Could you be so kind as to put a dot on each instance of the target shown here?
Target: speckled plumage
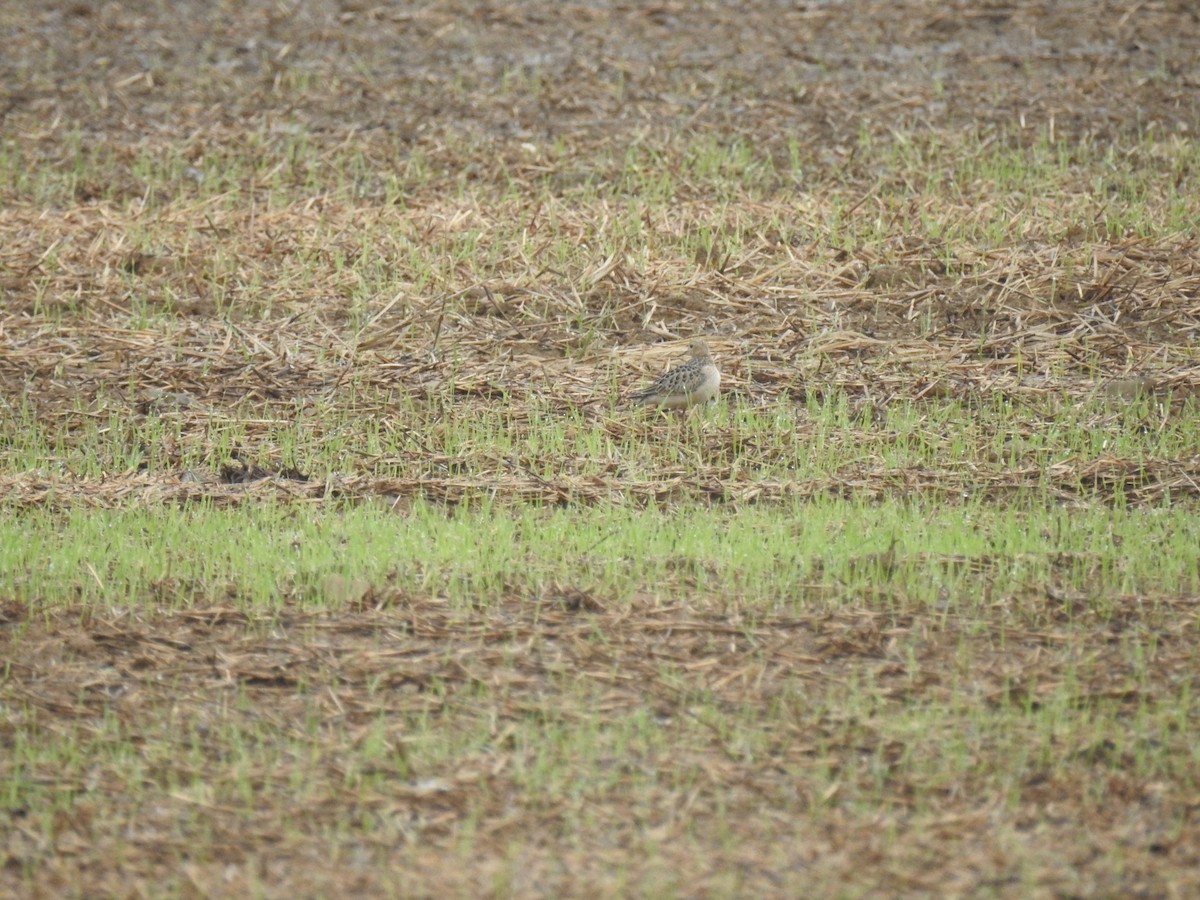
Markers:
(696, 381)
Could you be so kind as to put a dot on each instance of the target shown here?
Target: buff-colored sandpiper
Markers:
(696, 381)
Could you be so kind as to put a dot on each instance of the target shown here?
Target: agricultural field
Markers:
(334, 560)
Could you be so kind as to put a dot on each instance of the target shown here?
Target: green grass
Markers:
(831, 436)
(927, 715)
(770, 561)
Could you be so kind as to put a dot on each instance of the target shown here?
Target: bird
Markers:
(696, 381)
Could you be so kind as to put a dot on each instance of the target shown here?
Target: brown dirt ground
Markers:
(209, 666)
(127, 75)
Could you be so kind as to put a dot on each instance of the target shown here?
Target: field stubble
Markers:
(334, 562)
